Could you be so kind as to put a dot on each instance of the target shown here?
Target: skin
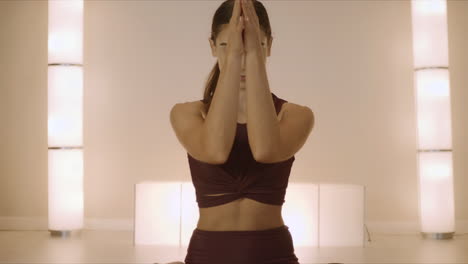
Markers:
(220, 51)
(244, 213)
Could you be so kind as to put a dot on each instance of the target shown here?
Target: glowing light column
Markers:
(65, 114)
(434, 125)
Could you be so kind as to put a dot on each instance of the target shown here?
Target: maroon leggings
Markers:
(271, 246)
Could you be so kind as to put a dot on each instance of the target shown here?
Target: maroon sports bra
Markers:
(241, 175)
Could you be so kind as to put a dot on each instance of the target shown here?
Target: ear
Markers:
(213, 47)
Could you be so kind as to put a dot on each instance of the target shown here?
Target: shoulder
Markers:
(294, 106)
(286, 105)
(191, 106)
(195, 107)
(295, 109)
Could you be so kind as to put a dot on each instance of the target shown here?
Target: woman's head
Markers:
(219, 38)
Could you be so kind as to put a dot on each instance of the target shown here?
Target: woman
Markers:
(240, 152)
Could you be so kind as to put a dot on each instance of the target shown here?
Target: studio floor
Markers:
(98, 246)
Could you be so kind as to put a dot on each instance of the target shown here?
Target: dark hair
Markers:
(221, 17)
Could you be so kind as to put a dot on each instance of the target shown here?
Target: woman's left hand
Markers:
(252, 36)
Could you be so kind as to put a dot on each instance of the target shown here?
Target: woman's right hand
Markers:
(236, 27)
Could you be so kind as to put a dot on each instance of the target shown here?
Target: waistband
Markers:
(266, 232)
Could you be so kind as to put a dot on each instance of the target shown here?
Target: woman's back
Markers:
(244, 213)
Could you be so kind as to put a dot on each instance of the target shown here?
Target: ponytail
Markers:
(210, 87)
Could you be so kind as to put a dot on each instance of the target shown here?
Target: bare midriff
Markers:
(239, 215)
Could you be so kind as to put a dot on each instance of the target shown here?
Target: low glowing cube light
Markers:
(317, 215)
(301, 213)
(190, 213)
(157, 213)
(342, 215)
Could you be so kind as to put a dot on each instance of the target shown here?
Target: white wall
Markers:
(349, 61)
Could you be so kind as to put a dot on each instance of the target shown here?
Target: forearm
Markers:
(262, 120)
(221, 119)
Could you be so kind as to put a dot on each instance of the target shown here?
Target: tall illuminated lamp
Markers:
(433, 114)
(65, 114)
